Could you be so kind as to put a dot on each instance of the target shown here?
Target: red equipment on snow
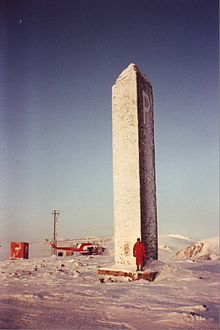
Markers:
(82, 248)
(19, 250)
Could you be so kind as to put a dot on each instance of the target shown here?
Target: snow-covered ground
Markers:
(49, 292)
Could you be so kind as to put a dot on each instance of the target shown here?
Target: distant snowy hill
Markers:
(181, 237)
(172, 243)
(207, 249)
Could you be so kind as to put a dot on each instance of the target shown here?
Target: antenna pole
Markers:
(55, 214)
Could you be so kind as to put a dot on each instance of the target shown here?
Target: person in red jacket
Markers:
(140, 253)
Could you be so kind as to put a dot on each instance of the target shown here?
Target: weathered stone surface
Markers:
(134, 190)
(126, 183)
(134, 276)
(147, 166)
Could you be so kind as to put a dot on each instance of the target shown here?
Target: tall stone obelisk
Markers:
(134, 187)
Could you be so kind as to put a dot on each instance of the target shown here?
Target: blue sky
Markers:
(58, 62)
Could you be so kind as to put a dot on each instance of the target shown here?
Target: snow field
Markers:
(66, 293)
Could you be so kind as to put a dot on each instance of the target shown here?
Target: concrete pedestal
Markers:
(132, 275)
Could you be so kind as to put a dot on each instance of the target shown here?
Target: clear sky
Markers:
(58, 62)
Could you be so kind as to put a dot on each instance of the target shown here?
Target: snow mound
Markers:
(169, 272)
(207, 249)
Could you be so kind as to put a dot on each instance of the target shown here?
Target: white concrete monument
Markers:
(134, 188)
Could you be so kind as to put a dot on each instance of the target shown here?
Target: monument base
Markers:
(147, 275)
